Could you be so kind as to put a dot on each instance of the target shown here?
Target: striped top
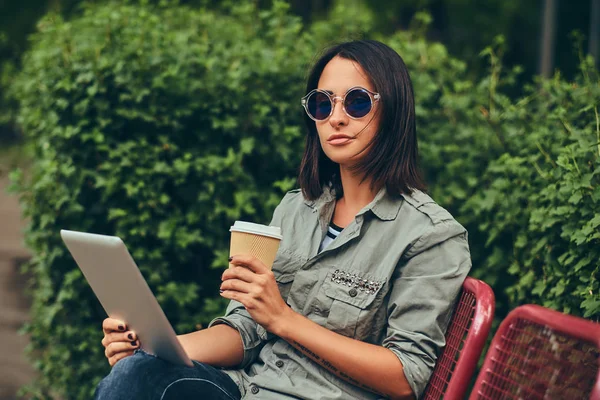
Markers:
(333, 231)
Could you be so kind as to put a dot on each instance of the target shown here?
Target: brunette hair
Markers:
(391, 159)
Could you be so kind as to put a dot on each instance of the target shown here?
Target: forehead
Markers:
(341, 74)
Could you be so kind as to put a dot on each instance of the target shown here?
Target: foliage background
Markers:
(163, 123)
(464, 26)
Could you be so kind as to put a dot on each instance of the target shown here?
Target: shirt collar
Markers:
(382, 206)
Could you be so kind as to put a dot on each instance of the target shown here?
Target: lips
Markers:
(338, 139)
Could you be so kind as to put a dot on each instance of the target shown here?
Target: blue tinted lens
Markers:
(319, 105)
(357, 103)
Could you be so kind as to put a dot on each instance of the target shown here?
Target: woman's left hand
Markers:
(251, 283)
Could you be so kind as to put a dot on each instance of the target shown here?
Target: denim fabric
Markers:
(144, 376)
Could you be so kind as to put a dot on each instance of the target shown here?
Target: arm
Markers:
(371, 367)
(423, 291)
(219, 346)
(368, 366)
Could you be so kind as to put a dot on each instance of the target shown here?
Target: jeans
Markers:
(144, 376)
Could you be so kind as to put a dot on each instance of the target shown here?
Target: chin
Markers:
(340, 157)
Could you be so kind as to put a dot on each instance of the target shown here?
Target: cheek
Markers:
(373, 130)
(368, 130)
(321, 132)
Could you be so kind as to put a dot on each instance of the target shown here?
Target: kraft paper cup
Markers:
(261, 241)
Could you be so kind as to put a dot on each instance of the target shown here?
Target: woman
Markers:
(364, 282)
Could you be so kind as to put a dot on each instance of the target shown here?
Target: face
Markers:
(342, 138)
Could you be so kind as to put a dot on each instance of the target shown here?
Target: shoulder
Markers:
(292, 198)
(437, 225)
(421, 203)
(289, 205)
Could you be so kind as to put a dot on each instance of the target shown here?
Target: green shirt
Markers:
(390, 278)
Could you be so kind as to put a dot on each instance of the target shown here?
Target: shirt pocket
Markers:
(353, 301)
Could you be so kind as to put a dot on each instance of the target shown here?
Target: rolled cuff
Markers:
(417, 373)
(247, 328)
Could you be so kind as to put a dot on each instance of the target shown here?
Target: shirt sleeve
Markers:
(239, 319)
(424, 289)
(236, 316)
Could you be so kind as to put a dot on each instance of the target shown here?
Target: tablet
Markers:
(124, 293)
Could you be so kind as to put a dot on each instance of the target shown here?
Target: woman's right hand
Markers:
(118, 342)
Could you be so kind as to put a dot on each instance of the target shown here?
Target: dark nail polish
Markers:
(121, 328)
(221, 291)
(230, 258)
(130, 336)
(134, 343)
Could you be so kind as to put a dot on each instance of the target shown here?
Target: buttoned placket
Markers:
(348, 233)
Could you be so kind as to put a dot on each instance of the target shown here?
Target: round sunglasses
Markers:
(356, 103)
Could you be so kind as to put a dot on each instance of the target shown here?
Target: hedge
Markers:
(163, 124)
(538, 203)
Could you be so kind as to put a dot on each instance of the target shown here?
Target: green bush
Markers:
(538, 203)
(522, 175)
(164, 124)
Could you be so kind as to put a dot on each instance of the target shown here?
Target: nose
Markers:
(338, 116)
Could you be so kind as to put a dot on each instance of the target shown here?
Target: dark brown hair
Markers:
(391, 159)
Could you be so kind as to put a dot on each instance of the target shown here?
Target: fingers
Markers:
(109, 338)
(243, 298)
(119, 356)
(118, 342)
(250, 262)
(241, 273)
(243, 276)
(111, 325)
(114, 348)
(237, 285)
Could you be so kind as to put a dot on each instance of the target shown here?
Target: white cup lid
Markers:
(257, 229)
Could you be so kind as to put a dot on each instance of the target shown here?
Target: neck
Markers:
(357, 194)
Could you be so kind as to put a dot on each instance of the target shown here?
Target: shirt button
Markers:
(279, 363)
(353, 292)
(254, 389)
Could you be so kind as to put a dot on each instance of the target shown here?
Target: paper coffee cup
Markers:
(261, 241)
